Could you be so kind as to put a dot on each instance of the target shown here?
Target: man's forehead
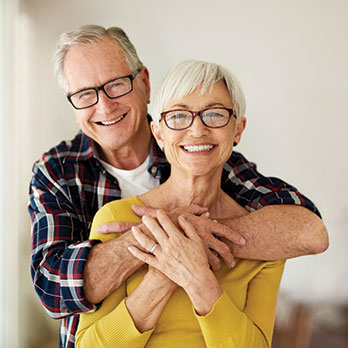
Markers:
(91, 64)
(105, 49)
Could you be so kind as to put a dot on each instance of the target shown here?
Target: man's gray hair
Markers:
(185, 77)
(91, 34)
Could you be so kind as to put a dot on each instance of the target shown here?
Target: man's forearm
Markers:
(107, 266)
(279, 232)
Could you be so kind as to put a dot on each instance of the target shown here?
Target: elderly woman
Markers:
(178, 301)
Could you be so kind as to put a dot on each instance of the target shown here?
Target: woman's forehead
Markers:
(218, 94)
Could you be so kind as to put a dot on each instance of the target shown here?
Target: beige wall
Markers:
(291, 60)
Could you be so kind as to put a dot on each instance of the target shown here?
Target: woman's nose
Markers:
(198, 128)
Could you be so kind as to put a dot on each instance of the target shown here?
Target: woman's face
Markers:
(199, 149)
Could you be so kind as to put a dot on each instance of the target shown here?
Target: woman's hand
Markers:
(154, 276)
(179, 256)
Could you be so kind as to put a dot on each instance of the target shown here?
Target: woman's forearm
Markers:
(145, 304)
(203, 291)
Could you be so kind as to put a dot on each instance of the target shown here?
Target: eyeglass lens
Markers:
(113, 89)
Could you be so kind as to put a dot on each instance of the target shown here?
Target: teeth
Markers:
(197, 148)
(106, 123)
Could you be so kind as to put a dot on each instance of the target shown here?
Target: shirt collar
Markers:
(158, 166)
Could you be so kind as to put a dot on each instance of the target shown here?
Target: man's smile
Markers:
(110, 123)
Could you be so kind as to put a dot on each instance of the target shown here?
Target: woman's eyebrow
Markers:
(214, 104)
(185, 106)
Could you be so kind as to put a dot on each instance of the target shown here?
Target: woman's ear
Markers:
(239, 131)
(156, 131)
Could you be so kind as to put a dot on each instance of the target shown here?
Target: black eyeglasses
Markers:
(113, 89)
(212, 117)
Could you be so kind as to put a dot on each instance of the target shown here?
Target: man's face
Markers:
(113, 123)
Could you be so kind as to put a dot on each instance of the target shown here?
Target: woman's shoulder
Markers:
(114, 211)
(119, 206)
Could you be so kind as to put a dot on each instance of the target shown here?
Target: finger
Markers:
(196, 209)
(214, 261)
(189, 229)
(225, 232)
(222, 249)
(167, 224)
(143, 239)
(115, 227)
(141, 210)
(206, 215)
(142, 256)
(156, 229)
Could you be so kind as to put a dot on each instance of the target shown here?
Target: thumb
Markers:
(115, 227)
(144, 210)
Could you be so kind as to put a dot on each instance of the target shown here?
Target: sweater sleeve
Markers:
(111, 325)
(226, 326)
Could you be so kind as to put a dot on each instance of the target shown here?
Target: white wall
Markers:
(291, 60)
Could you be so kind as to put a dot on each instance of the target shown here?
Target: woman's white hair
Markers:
(185, 77)
(91, 34)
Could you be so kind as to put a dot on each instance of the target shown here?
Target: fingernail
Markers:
(242, 241)
(207, 214)
(182, 218)
(233, 263)
(133, 229)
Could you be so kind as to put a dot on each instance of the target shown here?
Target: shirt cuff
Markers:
(71, 276)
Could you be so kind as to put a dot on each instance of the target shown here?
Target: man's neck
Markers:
(129, 156)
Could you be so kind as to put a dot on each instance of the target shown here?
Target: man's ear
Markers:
(156, 131)
(240, 129)
(145, 77)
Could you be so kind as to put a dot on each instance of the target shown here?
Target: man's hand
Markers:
(116, 227)
(121, 227)
(209, 231)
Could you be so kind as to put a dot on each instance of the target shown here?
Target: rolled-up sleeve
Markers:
(251, 189)
(58, 255)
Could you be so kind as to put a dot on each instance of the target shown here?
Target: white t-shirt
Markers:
(135, 181)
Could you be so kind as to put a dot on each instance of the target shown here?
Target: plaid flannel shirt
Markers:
(69, 185)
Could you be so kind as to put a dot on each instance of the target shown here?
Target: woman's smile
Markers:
(198, 148)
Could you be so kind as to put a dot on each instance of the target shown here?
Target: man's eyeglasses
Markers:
(113, 89)
(212, 118)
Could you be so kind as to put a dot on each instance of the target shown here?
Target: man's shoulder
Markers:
(66, 152)
(69, 150)
(238, 164)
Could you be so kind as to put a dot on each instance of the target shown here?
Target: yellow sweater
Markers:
(243, 317)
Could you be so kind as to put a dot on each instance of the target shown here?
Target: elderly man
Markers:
(115, 156)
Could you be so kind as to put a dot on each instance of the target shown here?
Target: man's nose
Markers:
(105, 104)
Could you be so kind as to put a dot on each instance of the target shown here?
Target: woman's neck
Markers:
(182, 190)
